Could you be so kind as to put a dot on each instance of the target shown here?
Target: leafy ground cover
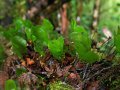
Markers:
(59, 45)
(43, 59)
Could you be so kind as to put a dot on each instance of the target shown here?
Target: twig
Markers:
(97, 73)
(85, 71)
(109, 71)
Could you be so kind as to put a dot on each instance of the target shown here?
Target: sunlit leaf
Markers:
(46, 25)
(10, 33)
(19, 40)
(91, 57)
(10, 85)
(41, 34)
(39, 47)
(19, 45)
(79, 38)
(19, 23)
(56, 47)
(28, 33)
(117, 40)
(82, 44)
(27, 23)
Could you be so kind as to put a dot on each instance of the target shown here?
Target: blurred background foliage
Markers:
(81, 10)
(110, 14)
(10, 9)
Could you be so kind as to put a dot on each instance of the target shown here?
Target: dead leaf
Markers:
(23, 63)
(93, 85)
(66, 69)
(72, 76)
(27, 79)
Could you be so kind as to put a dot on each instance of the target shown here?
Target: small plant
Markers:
(81, 41)
(42, 36)
(23, 32)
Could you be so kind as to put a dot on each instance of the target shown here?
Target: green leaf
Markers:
(47, 26)
(43, 31)
(86, 55)
(77, 37)
(28, 32)
(10, 85)
(20, 71)
(19, 40)
(76, 28)
(82, 43)
(73, 24)
(117, 43)
(80, 35)
(39, 47)
(19, 23)
(19, 45)
(56, 47)
(28, 29)
(91, 57)
(80, 49)
(10, 33)
(81, 30)
(41, 34)
(33, 38)
(27, 24)
(117, 40)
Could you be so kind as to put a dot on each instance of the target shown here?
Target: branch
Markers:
(53, 7)
(47, 11)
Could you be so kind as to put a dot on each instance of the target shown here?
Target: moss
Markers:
(60, 86)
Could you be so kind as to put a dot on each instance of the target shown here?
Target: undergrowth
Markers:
(34, 43)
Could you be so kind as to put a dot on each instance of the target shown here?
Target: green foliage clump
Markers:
(41, 36)
(16, 36)
(82, 44)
